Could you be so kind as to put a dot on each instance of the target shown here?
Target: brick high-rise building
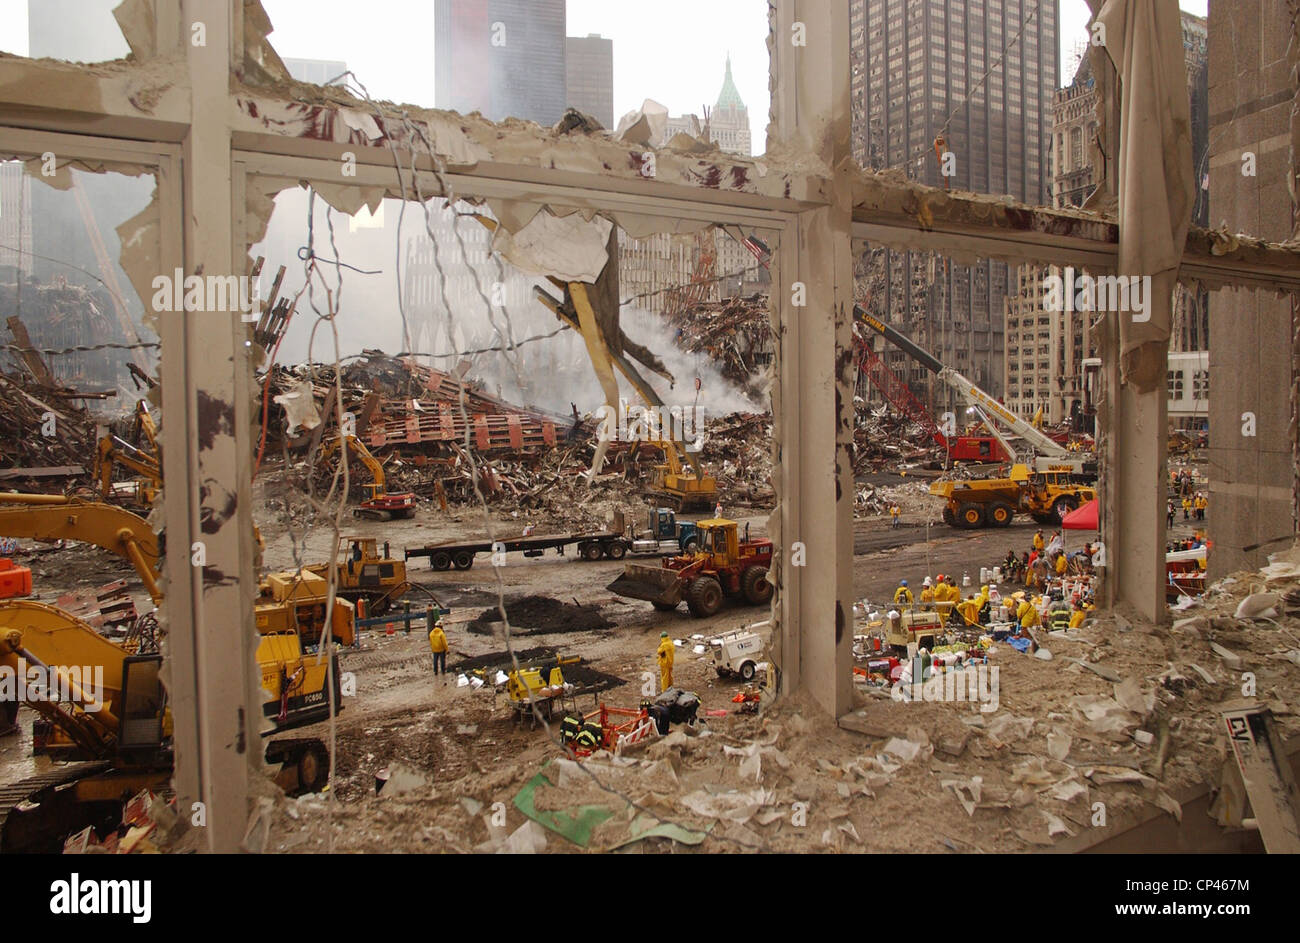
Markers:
(978, 74)
(504, 58)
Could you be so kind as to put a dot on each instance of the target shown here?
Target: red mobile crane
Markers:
(960, 448)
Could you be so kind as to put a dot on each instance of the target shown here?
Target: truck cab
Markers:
(665, 526)
(666, 534)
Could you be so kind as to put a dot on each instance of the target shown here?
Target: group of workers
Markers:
(1194, 542)
(943, 589)
(988, 605)
(1193, 504)
(1047, 559)
(942, 593)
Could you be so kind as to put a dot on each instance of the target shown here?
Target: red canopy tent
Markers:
(1082, 518)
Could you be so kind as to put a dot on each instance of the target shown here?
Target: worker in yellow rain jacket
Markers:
(1028, 615)
(970, 609)
(438, 645)
(927, 594)
(664, 654)
(903, 596)
(1038, 541)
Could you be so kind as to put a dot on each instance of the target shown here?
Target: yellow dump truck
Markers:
(994, 502)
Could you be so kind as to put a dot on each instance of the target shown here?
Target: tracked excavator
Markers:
(103, 708)
(141, 458)
(675, 486)
(379, 504)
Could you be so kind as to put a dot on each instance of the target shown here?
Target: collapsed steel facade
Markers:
(222, 129)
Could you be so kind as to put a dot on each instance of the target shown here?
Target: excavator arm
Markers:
(145, 427)
(113, 451)
(51, 641)
(669, 448)
(977, 398)
(57, 517)
(358, 448)
(141, 458)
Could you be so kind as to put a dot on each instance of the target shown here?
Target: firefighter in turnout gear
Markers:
(570, 727)
(1058, 616)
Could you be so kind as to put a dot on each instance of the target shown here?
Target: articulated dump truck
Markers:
(994, 502)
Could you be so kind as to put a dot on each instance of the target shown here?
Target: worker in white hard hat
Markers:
(927, 594)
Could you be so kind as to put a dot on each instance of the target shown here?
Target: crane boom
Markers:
(975, 397)
(894, 390)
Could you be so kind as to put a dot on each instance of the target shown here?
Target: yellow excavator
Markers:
(674, 486)
(379, 505)
(141, 458)
(103, 707)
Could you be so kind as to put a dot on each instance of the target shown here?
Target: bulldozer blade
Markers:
(652, 583)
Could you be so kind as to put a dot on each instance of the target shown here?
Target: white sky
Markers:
(672, 50)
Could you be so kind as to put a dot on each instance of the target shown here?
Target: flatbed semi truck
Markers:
(665, 535)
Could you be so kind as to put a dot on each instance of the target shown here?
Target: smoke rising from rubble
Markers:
(548, 374)
(557, 371)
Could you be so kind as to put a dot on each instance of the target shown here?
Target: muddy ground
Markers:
(452, 752)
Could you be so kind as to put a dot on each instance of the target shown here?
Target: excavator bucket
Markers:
(656, 584)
